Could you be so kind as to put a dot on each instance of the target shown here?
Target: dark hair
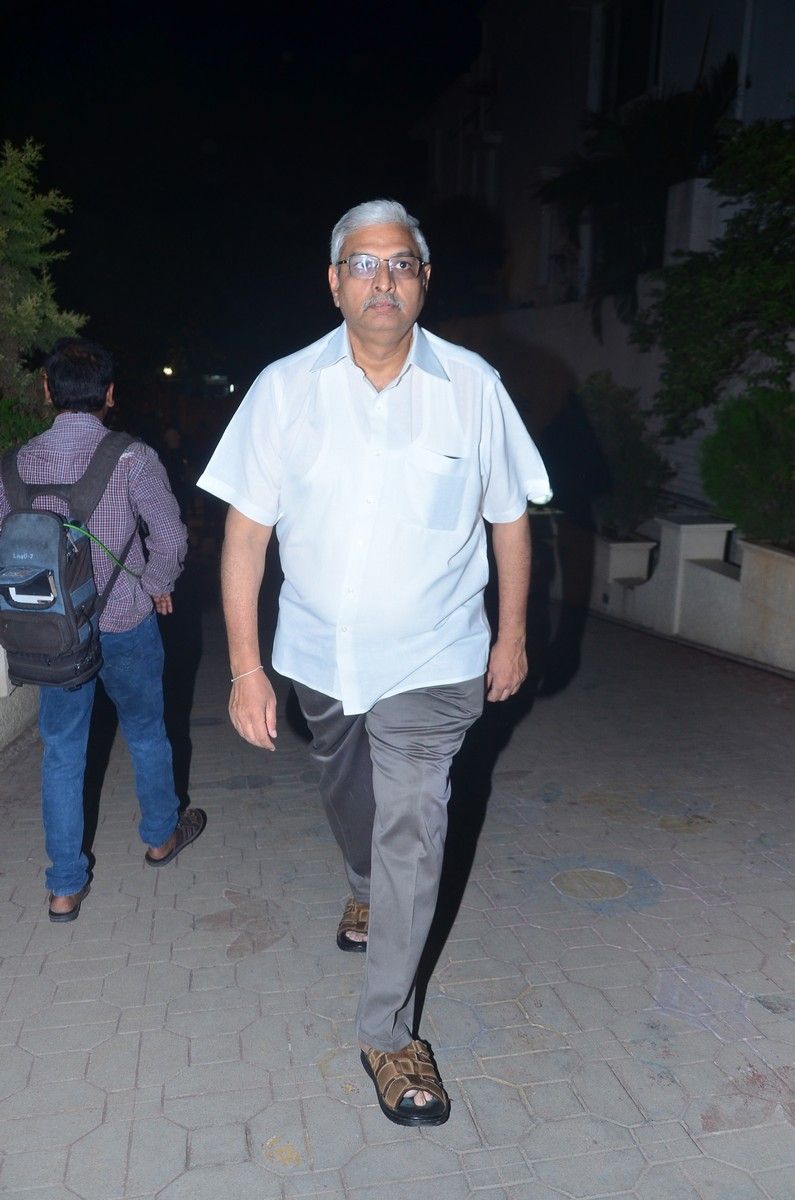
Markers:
(79, 374)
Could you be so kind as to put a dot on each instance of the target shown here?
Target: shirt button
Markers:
(369, 500)
(343, 628)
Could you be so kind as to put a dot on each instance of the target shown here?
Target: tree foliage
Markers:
(748, 464)
(30, 320)
(726, 314)
(637, 470)
(724, 320)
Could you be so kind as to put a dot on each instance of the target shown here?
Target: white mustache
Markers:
(384, 298)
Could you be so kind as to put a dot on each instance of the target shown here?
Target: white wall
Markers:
(543, 354)
(18, 706)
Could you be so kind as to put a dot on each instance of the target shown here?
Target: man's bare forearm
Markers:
(242, 569)
(507, 669)
(512, 555)
(252, 703)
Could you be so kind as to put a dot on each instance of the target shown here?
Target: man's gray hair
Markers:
(376, 212)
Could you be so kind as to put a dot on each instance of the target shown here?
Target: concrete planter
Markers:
(688, 589)
(18, 706)
(661, 601)
(618, 564)
(618, 559)
(767, 604)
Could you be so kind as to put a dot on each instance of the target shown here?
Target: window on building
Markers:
(629, 44)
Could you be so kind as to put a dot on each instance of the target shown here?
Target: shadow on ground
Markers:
(554, 637)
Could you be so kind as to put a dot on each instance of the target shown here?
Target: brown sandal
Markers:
(397, 1073)
(355, 919)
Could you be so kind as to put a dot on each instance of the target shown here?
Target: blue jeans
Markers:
(132, 674)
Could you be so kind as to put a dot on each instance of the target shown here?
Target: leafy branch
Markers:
(30, 319)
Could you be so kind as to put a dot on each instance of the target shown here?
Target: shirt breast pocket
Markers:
(435, 487)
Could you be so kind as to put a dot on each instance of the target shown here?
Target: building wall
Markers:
(695, 36)
(540, 57)
(498, 132)
(545, 354)
(761, 33)
(519, 114)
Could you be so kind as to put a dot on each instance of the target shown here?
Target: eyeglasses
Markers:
(366, 266)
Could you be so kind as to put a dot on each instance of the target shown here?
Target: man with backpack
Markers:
(78, 382)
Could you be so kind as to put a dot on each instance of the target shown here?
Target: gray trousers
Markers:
(385, 783)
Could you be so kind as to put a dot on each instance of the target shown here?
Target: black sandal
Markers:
(74, 912)
(189, 826)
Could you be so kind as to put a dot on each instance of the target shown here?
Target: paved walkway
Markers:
(612, 1002)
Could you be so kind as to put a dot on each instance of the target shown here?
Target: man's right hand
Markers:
(252, 708)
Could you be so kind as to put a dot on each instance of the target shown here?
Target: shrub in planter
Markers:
(748, 464)
(637, 469)
(723, 319)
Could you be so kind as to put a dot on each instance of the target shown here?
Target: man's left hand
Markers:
(163, 604)
(507, 669)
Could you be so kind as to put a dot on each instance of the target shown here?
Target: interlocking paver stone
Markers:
(244, 1181)
(500, 1111)
(753, 1149)
(27, 996)
(602, 1094)
(216, 1108)
(218, 1145)
(46, 1193)
(778, 1184)
(665, 1183)
(50, 1068)
(15, 1070)
(391, 1165)
(38, 1169)
(716, 1181)
(117, 1161)
(535, 1191)
(320, 1185)
(597, 1173)
(32, 1134)
(163, 1055)
(612, 1010)
(113, 1064)
(445, 1187)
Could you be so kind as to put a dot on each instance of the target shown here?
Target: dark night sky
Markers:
(207, 154)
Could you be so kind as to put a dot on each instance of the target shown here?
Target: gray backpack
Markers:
(49, 605)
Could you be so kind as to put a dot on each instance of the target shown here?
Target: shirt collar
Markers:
(83, 418)
(76, 422)
(421, 354)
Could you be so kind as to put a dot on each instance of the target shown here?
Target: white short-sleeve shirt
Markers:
(378, 501)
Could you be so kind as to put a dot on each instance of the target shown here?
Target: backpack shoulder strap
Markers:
(86, 492)
(18, 493)
(104, 595)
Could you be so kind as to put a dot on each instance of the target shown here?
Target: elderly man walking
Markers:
(376, 454)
